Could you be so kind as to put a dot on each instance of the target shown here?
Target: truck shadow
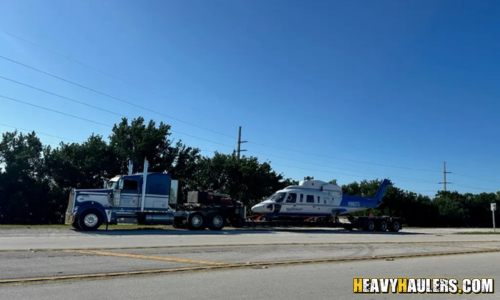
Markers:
(239, 231)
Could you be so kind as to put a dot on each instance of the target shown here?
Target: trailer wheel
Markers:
(382, 226)
(215, 221)
(395, 226)
(369, 225)
(195, 221)
(90, 220)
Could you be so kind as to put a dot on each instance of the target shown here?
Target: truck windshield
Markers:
(113, 185)
(278, 197)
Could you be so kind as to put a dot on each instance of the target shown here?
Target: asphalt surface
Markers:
(25, 239)
(241, 264)
(318, 281)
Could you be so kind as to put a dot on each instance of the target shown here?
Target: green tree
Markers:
(137, 141)
(24, 185)
(453, 211)
(245, 179)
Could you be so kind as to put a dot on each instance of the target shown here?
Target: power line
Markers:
(320, 171)
(314, 170)
(38, 132)
(295, 167)
(363, 172)
(139, 106)
(346, 159)
(142, 107)
(309, 163)
(23, 102)
(110, 96)
(476, 188)
(96, 107)
(60, 96)
(457, 174)
(410, 179)
(239, 136)
(86, 65)
(134, 84)
(127, 102)
(99, 123)
(53, 110)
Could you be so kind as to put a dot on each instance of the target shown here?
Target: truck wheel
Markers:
(195, 221)
(395, 226)
(369, 225)
(215, 221)
(382, 226)
(90, 220)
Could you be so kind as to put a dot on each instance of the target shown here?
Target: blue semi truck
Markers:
(150, 198)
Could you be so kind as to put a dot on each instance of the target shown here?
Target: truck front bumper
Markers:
(69, 218)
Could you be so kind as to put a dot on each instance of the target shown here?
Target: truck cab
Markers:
(142, 198)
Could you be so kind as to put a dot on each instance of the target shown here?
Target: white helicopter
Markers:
(316, 198)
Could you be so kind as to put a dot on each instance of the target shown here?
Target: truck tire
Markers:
(90, 220)
(215, 221)
(395, 226)
(382, 226)
(369, 225)
(196, 221)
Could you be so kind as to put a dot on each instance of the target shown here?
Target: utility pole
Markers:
(239, 143)
(493, 209)
(444, 176)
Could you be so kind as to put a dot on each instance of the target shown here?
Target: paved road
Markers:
(241, 264)
(25, 239)
(315, 281)
(49, 263)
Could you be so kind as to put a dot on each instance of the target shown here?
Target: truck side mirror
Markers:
(120, 184)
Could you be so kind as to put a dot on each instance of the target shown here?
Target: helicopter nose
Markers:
(259, 208)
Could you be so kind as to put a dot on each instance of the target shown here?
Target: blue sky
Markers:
(349, 90)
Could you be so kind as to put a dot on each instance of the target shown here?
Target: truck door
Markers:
(129, 193)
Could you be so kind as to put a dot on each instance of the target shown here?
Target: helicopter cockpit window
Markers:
(278, 197)
(292, 197)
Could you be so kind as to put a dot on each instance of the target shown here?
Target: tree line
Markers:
(36, 179)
